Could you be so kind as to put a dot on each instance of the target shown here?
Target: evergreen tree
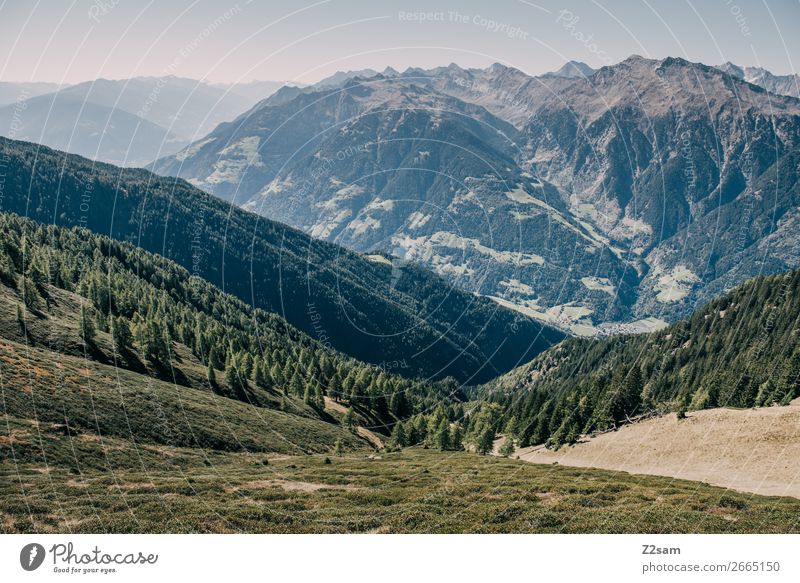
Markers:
(296, 385)
(86, 326)
(443, 435)
(259, 376)
(211, 376)
(277, 376)
(485, 441)
(349, 419)
(121, 333)
(235, 380)
(319, 397)
(511, 427)
(334, 388)
(30, 295)
(398, 438)
(398, 404)
(457, 437)
(507, 448)
(246, 364)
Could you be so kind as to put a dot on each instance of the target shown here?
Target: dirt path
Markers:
(753, 450)
(374, 439)
(370, 436)
(332, 405)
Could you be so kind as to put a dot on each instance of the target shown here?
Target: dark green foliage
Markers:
(483, 425)
(507, 448)
(740, 350)
(121, 333)
(87, 330)
(212, 376)
(398, 438)
(349, 420)
(336, 296)
(150, 305)
(30, 294)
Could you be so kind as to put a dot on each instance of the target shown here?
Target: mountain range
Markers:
(149, 328)
(779, 84)
(128, 122)
(596, 201)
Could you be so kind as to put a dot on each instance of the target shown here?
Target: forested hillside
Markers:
(80, 294)
(740, 350)
(395, 315)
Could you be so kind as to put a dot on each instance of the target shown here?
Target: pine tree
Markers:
(259, 376)
(398, 404)
(398, 438)
(211, 375)
(457, 437)
(30, 295)
(86, 326)
(121, 333)
(234, 379)
(511, 427)
(319, 397)
(485, 440)
(296, 385)
(338, 449)
(443, 435)
(507, 448)
(334, 388)
(246, 364)
(349, 419)
(276, 376)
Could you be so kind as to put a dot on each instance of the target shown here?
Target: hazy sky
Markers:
(220, 40)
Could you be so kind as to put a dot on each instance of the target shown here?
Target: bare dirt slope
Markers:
(754, 450)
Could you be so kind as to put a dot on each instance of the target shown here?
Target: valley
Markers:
(323, 309)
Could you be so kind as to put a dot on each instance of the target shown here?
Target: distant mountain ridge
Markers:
(573, 69)
(584, 201)
(788, 85)
(127, 122)
(13, 92)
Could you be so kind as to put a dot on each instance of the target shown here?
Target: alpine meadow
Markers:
(451, 268)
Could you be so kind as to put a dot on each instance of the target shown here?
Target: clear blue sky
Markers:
(222, 40)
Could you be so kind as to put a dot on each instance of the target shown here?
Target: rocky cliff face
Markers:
(625, 193)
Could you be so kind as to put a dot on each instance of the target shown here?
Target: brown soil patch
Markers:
(332, 405)
(753, 450)
(291, 485)
(132, 486)
(14, 436)
(370, 436)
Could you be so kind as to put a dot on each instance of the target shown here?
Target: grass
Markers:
(80, 396)
(114, 486)
(89, 447)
